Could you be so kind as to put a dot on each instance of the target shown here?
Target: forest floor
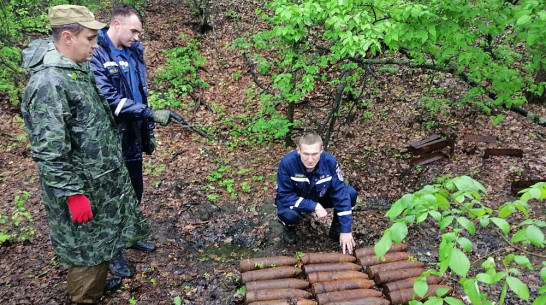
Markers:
(200, 240)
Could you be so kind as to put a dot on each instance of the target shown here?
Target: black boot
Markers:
(289, 234)
(143, 246)
(113, 283)
(120, 266)
(335, 228)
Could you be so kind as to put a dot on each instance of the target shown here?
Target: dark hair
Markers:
(124, 10)
(74, 28)
(310, 138)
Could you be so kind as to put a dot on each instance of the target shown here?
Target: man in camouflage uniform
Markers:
(91, 206)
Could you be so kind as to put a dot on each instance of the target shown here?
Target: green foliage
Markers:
(22, 19)
(177, 300)
(455, 205)
(179, 77)
(246, 187)
(18, 226)
(241, 290)
(229, 184)
(231, 14)
(154, 171)
(212, 197)
(18, 18)
(497, 44)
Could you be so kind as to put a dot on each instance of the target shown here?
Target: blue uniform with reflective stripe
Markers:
(299, 191)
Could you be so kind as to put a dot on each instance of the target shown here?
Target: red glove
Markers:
(80, 208)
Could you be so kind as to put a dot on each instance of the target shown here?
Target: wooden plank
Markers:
(514, 152)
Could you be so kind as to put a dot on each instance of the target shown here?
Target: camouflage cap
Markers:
(66, 14)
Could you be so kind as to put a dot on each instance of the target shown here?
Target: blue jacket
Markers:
(133, 118)
(300, 191)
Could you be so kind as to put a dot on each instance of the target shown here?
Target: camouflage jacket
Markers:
(77, 148)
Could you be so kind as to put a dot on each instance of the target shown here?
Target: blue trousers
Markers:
(292, 217)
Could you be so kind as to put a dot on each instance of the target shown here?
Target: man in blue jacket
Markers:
(120, 72)
(310, 180)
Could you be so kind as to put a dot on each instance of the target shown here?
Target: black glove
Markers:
(178, 118)
(151, 144)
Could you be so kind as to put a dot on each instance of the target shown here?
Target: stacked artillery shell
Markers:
(397, 274)
(336, 279)
(270, 281)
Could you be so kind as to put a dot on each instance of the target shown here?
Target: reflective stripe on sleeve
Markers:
(109, 64)
(298, 202)
(324, 180)
(299, 179)
(120, 106)
(344, 213)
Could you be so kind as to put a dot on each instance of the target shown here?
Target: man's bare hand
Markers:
(320, 212)
(347, 243)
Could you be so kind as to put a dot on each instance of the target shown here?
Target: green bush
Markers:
(179, 77)
(18, 226)
(455, 204)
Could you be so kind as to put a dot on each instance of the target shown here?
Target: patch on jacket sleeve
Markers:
(111, 66)
(339, 173)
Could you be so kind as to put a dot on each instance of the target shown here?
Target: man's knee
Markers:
(288, 216)
(353, 194)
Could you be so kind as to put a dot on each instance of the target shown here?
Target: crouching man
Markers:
(310, 180)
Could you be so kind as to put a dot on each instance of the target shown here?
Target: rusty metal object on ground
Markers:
(373, 270)
(384, 277)
(270, 274)
(317, 277)
(405, 295)
(370, 260)
(517, 186)
(310, 268)
(250, 264)
(408, 283)
(428, 158)
(513, 152)
(322, 258)
(340, 285)
(346, 295)
(275, 294)
(369, 250)
(279, 283)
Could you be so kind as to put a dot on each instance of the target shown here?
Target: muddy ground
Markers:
(199, 240)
